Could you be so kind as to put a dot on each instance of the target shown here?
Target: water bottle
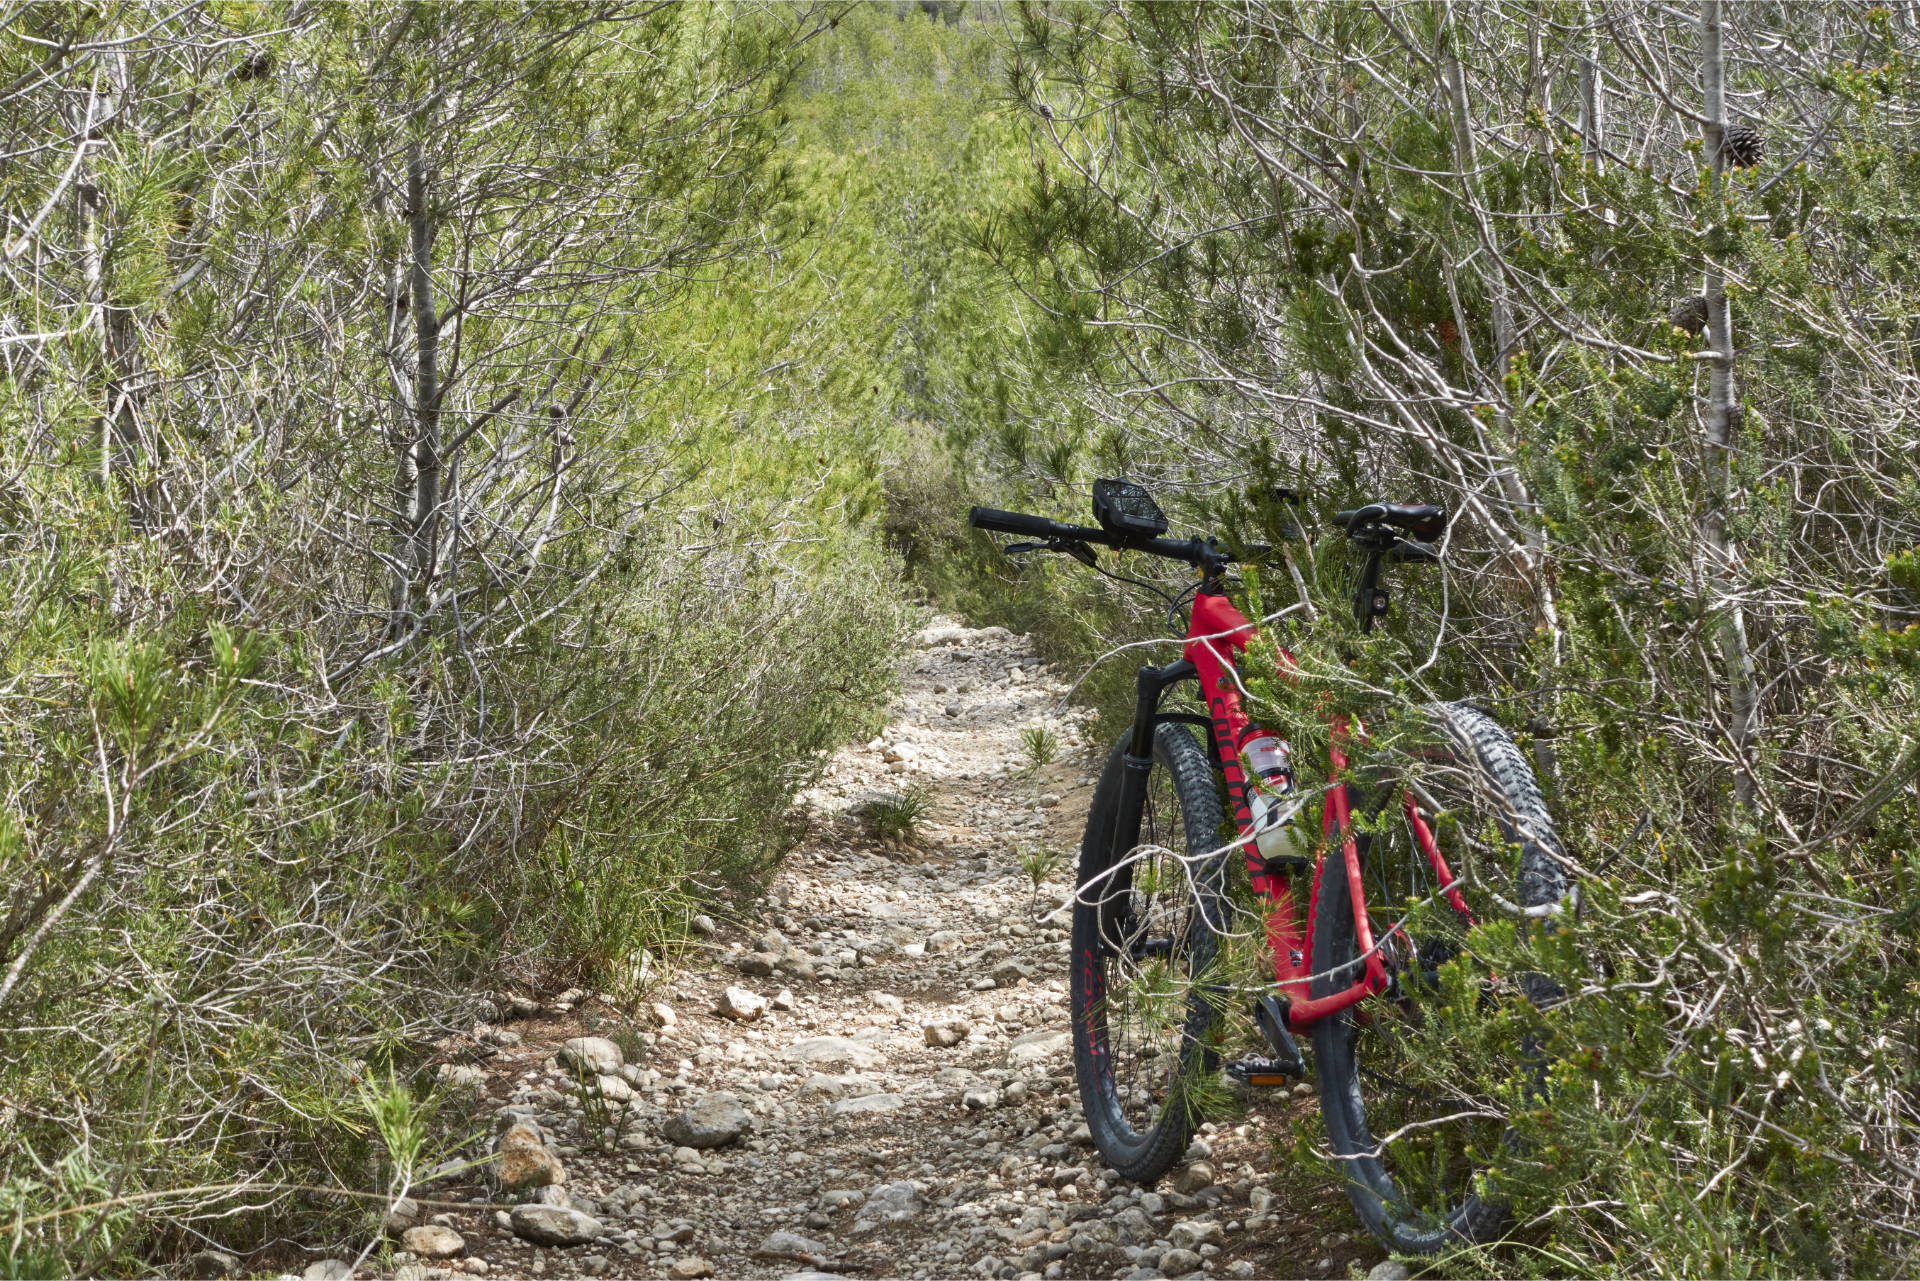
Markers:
(1276, 822)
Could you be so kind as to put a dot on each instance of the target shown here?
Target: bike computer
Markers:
(1125, 508)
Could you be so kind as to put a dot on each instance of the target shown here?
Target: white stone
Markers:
(594, 1054)
(431, 1241)
(1037, 1047)
(833, 1051)
(740, 1005)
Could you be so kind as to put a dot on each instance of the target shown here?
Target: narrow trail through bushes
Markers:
(873, 1074)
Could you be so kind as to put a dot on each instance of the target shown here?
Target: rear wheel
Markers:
(1145, 939)
(1403, 1114)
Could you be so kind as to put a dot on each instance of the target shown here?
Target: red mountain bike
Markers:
(1177, 958)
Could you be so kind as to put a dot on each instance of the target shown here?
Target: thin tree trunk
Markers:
(1593, 103)
(1512, 487)
(119, 340)
(419, 465)
(1722, 419)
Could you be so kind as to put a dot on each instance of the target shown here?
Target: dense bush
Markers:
(388, 616)
(1499, 258)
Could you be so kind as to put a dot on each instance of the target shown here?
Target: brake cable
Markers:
(1172, 604)
(1084, 554)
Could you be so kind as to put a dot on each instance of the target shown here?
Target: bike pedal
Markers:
(1254, 1070)
(1271, 1016)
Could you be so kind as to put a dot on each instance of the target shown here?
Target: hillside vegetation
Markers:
(467, 465)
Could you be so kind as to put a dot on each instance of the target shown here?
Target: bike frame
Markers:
(1218, 636)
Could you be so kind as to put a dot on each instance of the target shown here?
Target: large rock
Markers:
(869, 1104)
(552, 1225)
(1177, 1263)
(461, 1076)
(524, 1161)
(1192, 1178)
(758, 965)
(592, 1055)
(328, 1270)
(793, 1243)
(1038, 1047)
(947, 1030)
(833, 1051)
(714, 1121)
(211, 1265)
(1194, 1233)
(431, 1241)
(740, 1005)
(893, 1203)
(940, 634)
(1008, 973)
(401, 1215)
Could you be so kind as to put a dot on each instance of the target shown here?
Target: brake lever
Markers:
(1071, 546)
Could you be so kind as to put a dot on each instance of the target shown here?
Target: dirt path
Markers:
(899, 1096)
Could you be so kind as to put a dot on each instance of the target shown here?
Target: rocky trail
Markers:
(872, 1076)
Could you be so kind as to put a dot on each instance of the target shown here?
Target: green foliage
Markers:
(1041, 747)
(303, 756)
(899, 817)
(1041, 863)
(402, 1122)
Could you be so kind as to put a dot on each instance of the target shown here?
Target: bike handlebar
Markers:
(1030, 526)
(1194, 551)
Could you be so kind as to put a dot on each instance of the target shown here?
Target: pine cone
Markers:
(1689, 314)
(1742, 146)
(254, 67)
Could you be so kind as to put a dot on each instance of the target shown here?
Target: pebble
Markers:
(690, 1267)
(1390, 1270)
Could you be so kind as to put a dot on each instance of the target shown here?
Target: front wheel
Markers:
(1404, 1116)
(1146, 935)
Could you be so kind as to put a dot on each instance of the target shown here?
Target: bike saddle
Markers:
(1423, 520)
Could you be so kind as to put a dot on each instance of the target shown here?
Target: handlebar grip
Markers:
(1010, 522)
